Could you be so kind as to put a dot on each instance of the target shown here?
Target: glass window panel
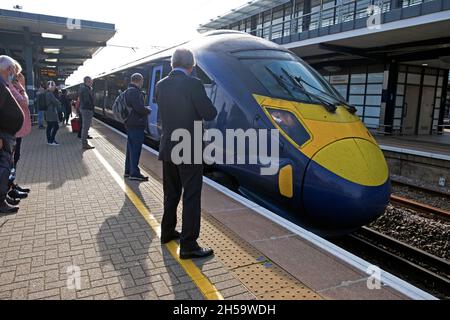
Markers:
(398, 113)
(436, 113)
(401, 77)
(358, 78)
(439, 92)
(438, 103)
(372, 122)
(356, 100)
(359, 111)
(441, 81)
(399, 102)
(339, 79)
(414, 78)
(375, 77)
(374, 88)
(397, 123)
(342, 89)
(357, 89)
(372, 112)
(400, 89)
(373, 100)
(429, 80)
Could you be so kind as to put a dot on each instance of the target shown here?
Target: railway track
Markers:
(414, 265)
(415, 205)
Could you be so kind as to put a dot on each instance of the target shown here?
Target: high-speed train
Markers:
(332, 177)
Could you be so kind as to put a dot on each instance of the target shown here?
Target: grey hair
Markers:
(137, 77)
(7, 62)
(18, 67)
(183, 58)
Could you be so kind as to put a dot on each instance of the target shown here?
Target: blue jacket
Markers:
(134, 99)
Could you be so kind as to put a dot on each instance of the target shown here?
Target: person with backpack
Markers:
(135, 124)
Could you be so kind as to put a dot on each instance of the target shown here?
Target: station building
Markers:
(389, 58)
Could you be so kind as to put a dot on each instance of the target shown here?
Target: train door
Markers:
(410, 109)
(154, 131)
(426, 110)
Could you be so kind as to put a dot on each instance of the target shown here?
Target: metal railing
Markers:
(344, 12)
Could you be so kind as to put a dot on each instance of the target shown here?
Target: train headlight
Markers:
(289, 126)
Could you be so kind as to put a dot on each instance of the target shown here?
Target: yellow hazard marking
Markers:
(208, 290)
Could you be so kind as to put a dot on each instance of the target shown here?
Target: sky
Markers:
(139, 23)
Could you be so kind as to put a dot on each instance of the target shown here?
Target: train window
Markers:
(291, 80)
(289, 125)
(199, 73)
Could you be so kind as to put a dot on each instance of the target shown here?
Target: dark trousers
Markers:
(81, 124)
(67, 115)
(52, 129)
(134, 148)
(5, 171)
(177, 178)
(17, 151)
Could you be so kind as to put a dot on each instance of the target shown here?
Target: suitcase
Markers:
(75, 125)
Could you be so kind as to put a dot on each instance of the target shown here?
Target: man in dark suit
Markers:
(182, 101)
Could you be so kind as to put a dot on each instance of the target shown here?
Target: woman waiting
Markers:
(51, 115)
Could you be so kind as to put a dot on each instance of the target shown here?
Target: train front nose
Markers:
(346, 186)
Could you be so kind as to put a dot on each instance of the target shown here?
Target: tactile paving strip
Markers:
(264, 279)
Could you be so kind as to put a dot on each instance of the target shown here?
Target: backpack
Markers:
(120, 108)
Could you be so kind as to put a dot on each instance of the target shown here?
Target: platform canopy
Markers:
(50, 47)
(243, 12)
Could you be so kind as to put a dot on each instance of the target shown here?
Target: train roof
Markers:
(214, 41)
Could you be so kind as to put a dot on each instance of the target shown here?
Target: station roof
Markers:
(240, 13)
(58, 44)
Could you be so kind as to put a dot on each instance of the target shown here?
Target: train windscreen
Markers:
(288, 77)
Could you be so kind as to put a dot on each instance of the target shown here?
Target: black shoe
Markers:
(12, 202)
(89, 138)
(5, 208)
(196, 254)
(139, 178)
(126, 175)
(18, 188)
(17, 194)
(166, 239)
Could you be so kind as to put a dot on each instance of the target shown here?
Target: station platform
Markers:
(430, 146)
(82, 215)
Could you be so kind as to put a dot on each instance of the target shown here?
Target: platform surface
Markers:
(435, 145)
(81, 215)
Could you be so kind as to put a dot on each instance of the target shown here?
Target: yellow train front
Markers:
(333, 177)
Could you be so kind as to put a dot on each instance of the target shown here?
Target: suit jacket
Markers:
(181, 100)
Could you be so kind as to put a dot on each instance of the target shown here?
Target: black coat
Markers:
(11, 115)
(181, 100)
(138, 117)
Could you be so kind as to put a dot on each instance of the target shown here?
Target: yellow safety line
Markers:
(208, 290)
